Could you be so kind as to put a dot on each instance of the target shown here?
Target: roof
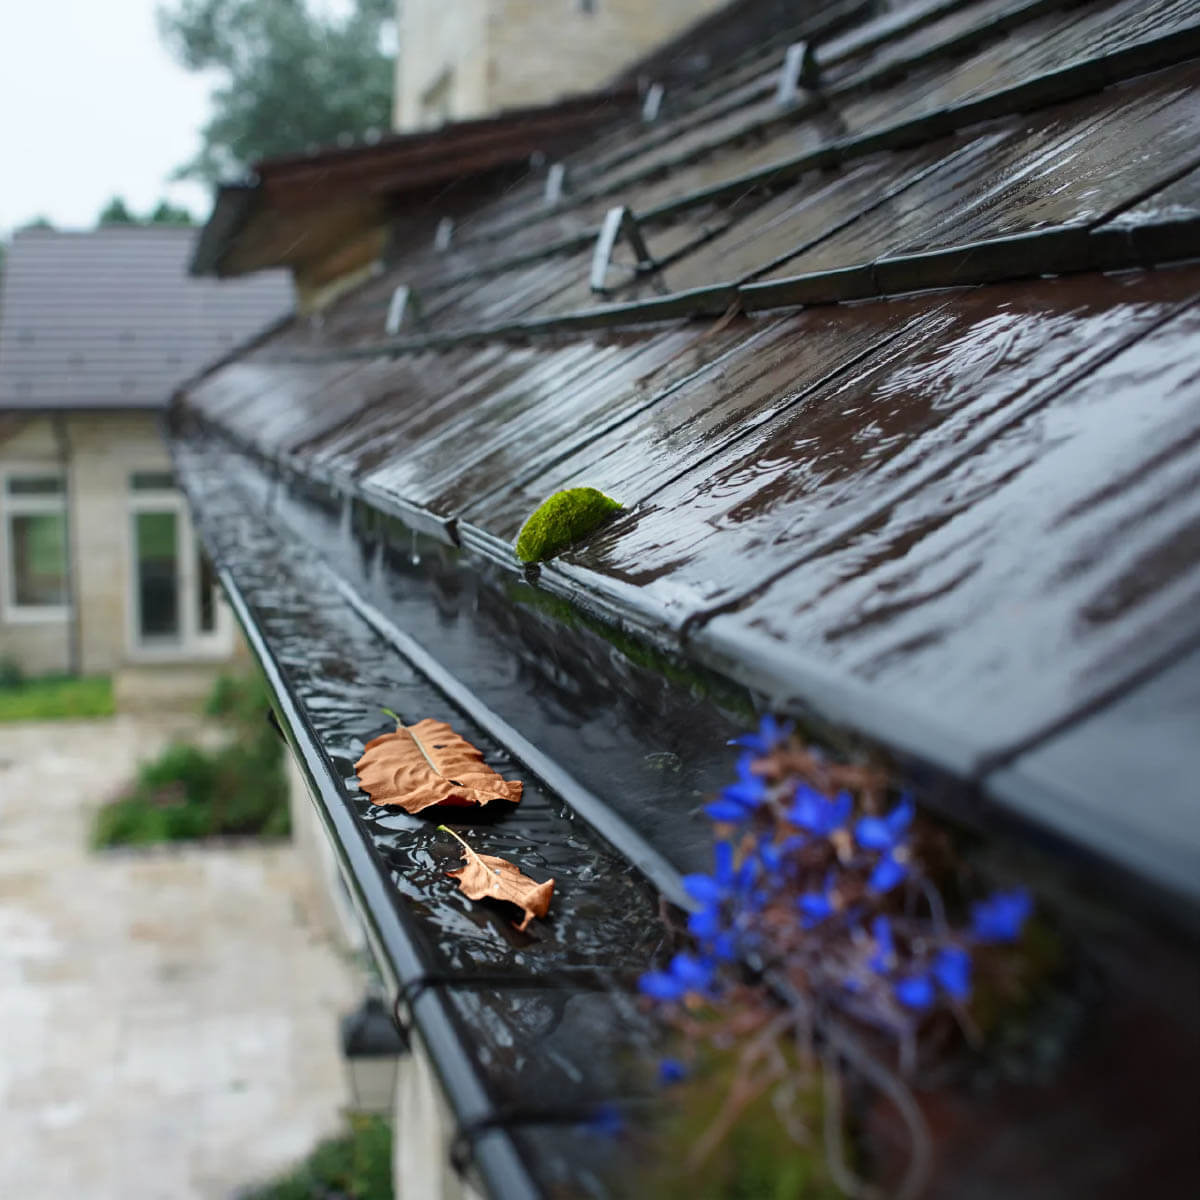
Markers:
(110, 318)
(901, 399)
(295, 206)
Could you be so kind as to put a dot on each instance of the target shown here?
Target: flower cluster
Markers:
(818, 880)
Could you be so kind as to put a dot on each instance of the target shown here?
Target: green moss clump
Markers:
(562, 519)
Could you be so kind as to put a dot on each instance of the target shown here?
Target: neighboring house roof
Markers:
(904, 414)
(111, 319)
(296, 207)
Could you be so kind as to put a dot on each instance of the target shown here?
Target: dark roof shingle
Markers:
(111, 319)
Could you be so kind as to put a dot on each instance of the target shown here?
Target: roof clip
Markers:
(653, 102)
(800, 70)
(556, 184)
(443, 235)
(619, 222)
(404, 309)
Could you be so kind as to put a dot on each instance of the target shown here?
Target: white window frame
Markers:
(21, 506)
(192, 644)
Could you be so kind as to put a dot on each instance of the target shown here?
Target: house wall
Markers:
(442, 67)
(105, 449)
(543, 49)
(472, 57)
(38, 647)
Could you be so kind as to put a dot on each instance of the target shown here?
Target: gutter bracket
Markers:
(556, 184)
(652, 104)
(800, 70)
(443, 235)
(405, 308)
(620, 223)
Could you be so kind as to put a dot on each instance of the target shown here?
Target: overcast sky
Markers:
(91, 106)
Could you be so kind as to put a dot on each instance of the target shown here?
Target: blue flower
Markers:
(738, 800)
(888, 872)
(885, 949)
(686, 973)
(818, 813)
(1001, 917)
(884, 833)
(671, 1070)
(606, 1121)
(706, 923)
(815, 906)
(770, 734)
(952, 969)
(915, 991)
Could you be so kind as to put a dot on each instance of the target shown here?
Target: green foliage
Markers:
(166, 213)
(562, 519)
(290, 79)
(757, 1159)
(188, 792)
(356, 1166)
(117, 212)
(52, 697)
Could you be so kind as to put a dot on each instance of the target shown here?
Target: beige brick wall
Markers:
(38, 647)
(500, 54)
(105, 449)
(543, 49)
(441, 41)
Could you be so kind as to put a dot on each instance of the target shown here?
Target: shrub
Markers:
(189, 792)
(356, 1166)
(53, 696)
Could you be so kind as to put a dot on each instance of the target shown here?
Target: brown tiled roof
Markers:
(943, 500)
(111, 319)
(902, 401)
(271, 220)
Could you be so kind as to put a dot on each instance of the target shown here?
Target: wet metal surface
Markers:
(709, 413)
(830, 460)
(1142, 802)
(965, 523)
(1068, 165)
(1070, 536)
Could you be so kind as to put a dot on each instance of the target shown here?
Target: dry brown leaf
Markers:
(425, 764)
(488, 878)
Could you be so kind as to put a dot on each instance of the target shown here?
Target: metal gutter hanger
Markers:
(619, 222)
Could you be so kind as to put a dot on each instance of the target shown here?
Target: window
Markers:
(35, 545)
(175, 604)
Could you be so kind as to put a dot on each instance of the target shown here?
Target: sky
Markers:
(92, 106)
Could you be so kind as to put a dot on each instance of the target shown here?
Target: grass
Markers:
(356, 1166)
(189, 793)
(56, 697)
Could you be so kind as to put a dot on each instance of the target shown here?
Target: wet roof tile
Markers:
(1067, 531)
(875, 501)
(742, 391)
(837, 453)
(1137, 804)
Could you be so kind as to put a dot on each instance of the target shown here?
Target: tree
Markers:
(116, 212)
(291, 79)
(170, 214)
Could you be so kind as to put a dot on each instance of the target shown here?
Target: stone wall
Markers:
(482, 56)
(443, 49)
(105, 449)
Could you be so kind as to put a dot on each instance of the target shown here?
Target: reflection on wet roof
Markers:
(775, 467)
(904, 419)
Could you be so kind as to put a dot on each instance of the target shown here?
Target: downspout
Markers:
(74, 633)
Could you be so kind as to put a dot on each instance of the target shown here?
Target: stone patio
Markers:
(168, 1018)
